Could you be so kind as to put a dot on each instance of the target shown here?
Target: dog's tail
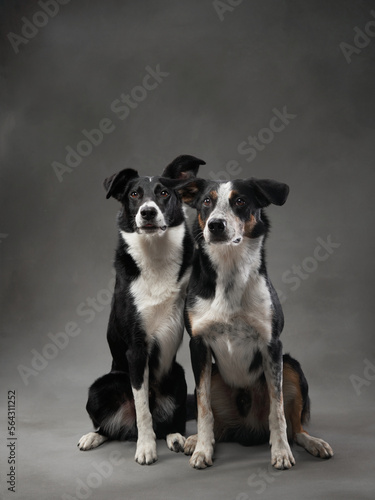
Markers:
(191, 407)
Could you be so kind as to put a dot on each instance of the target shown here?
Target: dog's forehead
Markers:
(235, 188)
(221, 191)
(147, 183)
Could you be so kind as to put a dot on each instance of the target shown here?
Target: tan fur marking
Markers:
(213, 195)
(224, 407)
(203, 397)
(190, 317)
(200, 222)
(249, 226)
(233, 194)
(188, 192)
(197, 326)
(203, 410)
(293, 400)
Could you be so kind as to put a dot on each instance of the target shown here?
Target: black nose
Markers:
(148, 213)
(217, 226)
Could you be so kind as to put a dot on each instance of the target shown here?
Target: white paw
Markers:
(315, 446)
(201, 458)
(90, 441)
(320, 448)
(175, 442)
(281, 457)
(190, 444)
(146, 452)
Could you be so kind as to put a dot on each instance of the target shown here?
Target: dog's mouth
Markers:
(151, 228)
(236, 241)
(224, 240)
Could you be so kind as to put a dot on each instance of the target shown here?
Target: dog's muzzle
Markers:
(217, 226)
(220, 232)
(150, 220)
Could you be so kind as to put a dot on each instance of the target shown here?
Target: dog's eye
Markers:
(240, 202)
(164, 194)
(207, 202)
(134, 195)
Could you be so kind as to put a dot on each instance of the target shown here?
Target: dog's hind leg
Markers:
(190, 444)
(91, 440)
(169, 410)
(111, 408)
(297, 409)
(176, 442)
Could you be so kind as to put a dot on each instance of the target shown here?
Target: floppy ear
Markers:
(190, 191)
(268, 191)
(115, 185)
(183, 167)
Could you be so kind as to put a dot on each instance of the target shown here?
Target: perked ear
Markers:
(183, 167)
(268, 191)
(115, 185)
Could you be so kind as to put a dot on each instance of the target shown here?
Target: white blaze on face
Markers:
(224, 211)
(158, 221)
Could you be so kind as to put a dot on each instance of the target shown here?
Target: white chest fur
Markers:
(238, 320)
(158, 295)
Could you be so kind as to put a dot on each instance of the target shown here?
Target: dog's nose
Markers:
(148, 213)
(217, 226)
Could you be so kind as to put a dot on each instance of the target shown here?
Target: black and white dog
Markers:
(144, 395)
(252, 393)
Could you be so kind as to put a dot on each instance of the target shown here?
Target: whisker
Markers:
(198, 237)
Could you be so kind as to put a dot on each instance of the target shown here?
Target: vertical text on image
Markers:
(11, 442)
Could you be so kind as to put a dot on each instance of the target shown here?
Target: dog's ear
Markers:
(189, 191)
(183, 167)
(268, 191)
(115, 185)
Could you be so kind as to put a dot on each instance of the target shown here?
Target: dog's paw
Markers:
(315, 446)
(90, 441)
(175, 442)
(320, 448)
(190, 444)
(146, 452)
(201, 458)
(282, 458)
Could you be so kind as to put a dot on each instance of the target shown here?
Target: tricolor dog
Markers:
(144, 395)
(251, 393)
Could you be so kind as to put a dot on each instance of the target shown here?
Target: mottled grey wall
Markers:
(222, 75)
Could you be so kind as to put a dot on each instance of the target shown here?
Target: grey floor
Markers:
(50, 466)
(226, 70)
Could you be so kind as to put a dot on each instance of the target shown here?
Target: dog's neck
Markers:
(150, 250)
(237, 274)
(237, 261)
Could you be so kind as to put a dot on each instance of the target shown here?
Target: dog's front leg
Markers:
(281, 455)
(139, 377)
(202, 365)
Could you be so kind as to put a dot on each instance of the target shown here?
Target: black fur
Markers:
(131, 347)
(240, 412)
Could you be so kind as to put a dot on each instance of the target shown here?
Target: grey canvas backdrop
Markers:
(224, 71)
